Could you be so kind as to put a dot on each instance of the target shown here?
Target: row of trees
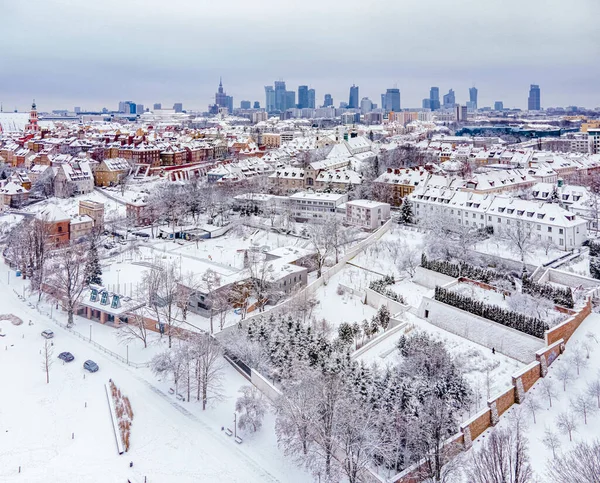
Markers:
(460, 269)
(559, 295)
(528, 325)
(399, 415)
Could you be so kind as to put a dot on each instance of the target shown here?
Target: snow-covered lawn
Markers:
(487, 373)
(578, 266)
(546, 416)
(535, 255)
(70, 206)
(171, 441)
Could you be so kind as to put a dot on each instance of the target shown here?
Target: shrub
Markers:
(380, 286)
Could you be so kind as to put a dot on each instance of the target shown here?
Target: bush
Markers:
(380, 286)
(560, 296)
(528, 325)
(461, 269)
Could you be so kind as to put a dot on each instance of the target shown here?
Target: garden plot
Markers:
(336, 308)
(487, 373)
(579, 265)
(562, 402)
(535, 255)
(517, 302)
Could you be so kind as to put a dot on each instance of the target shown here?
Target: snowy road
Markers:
(37, 420)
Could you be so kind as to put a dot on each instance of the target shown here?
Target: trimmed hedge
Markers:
(560, 296)
(461, 269)
(528, 325)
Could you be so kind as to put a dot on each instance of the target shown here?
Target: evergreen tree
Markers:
(93, 270)
(383, 317)
(345, 333)
(406, 212)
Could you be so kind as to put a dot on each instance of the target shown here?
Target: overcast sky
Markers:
(92, 53)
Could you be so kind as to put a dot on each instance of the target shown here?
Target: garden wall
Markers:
(548, 355)
(566, 329)
(431, 279)
(264, 386)
(376, 300)
(501, 403)
(525, 378)
(377, 340)
(568, 279)
(505, 340)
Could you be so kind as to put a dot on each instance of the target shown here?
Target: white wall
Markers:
(431, 279)
(505, 340)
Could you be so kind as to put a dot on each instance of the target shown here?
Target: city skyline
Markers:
(95, 63)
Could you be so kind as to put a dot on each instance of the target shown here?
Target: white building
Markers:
(547, 221)
(367, 214)
(594, 141)
(314, 206)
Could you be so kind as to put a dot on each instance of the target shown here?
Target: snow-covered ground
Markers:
(171, 441)
(535, 255)
(546, 416)
(579, 266)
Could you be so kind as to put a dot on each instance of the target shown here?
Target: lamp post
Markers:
(90, 332)
(118, 278)
(128, 355)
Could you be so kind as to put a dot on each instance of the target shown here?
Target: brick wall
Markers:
(568, 327)
(504, 401)
(548, 355)
(528, 376)
(482, 285)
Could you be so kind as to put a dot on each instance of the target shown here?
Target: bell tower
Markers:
(33, 119)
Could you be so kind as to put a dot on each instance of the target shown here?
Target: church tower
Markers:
(33, 119)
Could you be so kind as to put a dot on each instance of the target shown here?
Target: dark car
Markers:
(90, 366)
(66, 356)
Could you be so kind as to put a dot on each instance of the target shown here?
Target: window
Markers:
(499, 220)
(549, 229)
(115, 302)
(60, 229)
(561, 242)
(104, 299)
(560, 231)
(539, 227)
(94, 295)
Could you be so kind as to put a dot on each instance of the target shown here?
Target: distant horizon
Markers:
(67, 53)
(113, 105)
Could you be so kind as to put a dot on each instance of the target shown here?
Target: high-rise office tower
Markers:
(498, 106)
(391, 103)
(157, 106)
(280, 96)
(366, 105)
(473, 97)
(449, 100)
(353, 102)
(178, 107)
(127, 107)
(311, 98)
(327, 100)
(245, 105)
(434, 98)
(302, 97)
(426, 104)
(290, 100)
(533, 102)
(256, 105)
(139, 109)
(269, 98)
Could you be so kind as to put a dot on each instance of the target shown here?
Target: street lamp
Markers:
(118, 275)
(90, 332)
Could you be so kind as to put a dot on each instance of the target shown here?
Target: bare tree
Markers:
(319, 236)
(161, 286)
(532, 404)
(169, 363)
(583, 405)
(503, 458)
(580, 465)
(520, 237)
(551, 441)
(208, 359)
(135, 329)
(262, 274)
(212, 281)
(252, 406)
(67, 279)
(47, 359)
(578, 359)
(565, 421)
(564, 375)
(593, 389)
(548, 389)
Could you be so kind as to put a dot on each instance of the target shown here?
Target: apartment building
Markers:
(367, 214)
(315, 206)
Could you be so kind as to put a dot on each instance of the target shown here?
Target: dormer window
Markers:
(540, 216)
(530, 214)
(104, 299)
(115, 302)
(520, 212)
(501, 210)
(94, 295)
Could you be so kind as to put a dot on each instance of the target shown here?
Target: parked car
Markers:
(90, 366)
(48, 334)
(66, 356)
(141, 234)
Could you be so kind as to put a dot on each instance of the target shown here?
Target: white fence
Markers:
(113, 417)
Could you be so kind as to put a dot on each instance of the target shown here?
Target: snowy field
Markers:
(171, 441)
(578, 266)
(535, 256)
(486, 373)
(546, 416)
